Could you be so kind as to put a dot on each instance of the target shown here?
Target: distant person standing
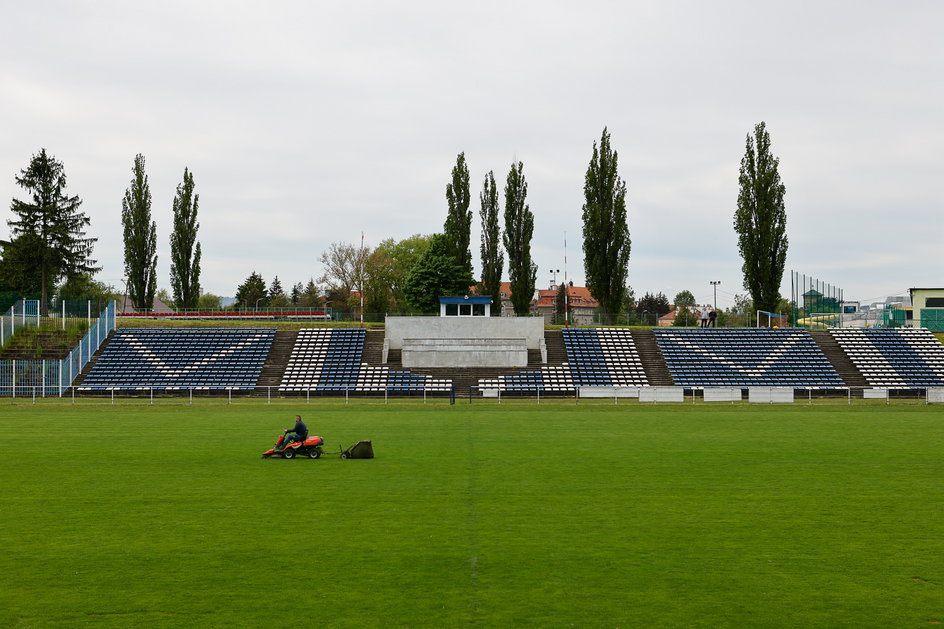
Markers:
(712, 318)
(704, 316)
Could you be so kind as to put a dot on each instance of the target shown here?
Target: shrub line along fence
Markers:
(49, 377)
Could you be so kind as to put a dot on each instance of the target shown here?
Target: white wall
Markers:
(529, 328)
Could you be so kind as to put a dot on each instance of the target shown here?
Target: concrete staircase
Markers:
(846, 369)
(94, 359)
(276, 361)
(556, 351)
(653, 362)
(373, 347)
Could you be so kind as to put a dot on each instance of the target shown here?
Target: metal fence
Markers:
(45, 378)
(814, 303)
(615, 396)
(24, 313)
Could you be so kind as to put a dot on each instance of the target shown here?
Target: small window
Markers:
(934, 302)
(478, 310)
(452, 310)
(465, 310)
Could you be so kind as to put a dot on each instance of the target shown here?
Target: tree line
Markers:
(50, 250)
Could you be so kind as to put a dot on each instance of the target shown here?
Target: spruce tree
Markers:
(458, 226)
(761, 221)
(53, 225)
(493, 261)
(519, 226)
(251, 292)
(606, 242)
(184, 248)
(140, 236)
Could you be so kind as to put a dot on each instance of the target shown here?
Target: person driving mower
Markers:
(299, 432)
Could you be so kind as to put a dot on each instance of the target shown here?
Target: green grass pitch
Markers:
(474, 516)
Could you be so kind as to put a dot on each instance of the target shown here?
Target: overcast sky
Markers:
(309, 123)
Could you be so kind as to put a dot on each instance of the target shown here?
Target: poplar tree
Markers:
(458, 226)
(493, 261)
(140, 236)
(50, 227)
(761, 221)
(519, 226)
(184, 248)
(606, 242)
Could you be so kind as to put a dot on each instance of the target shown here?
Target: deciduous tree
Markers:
(458, 226)
(761, 221)
(606, 242)
(140, 237)
(184, 248)
(435, 275)
(343, 265)
(684, 303)
(493, 261)
(519, 226)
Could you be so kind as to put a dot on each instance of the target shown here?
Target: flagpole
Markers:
(362, 278)
(566, 286)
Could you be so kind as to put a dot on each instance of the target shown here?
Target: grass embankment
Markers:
(43, 343)
(544, 516)
(135, 322)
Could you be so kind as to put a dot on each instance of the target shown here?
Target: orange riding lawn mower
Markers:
(313, 448)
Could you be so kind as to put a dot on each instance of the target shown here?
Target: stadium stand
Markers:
(894, 358)
(746, 357)
(171, 359)
(595, 357)
(331, 360)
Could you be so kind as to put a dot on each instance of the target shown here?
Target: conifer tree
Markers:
(53, 226)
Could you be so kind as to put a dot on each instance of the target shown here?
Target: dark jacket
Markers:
(300, 429)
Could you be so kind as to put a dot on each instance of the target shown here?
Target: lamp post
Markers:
(714, 284)
(257, 304)
(554, 277)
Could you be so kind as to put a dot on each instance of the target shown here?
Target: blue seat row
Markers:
(180, 358)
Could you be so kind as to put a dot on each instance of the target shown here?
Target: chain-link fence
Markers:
(814, 303)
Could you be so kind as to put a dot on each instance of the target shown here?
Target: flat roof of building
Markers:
(465, 299)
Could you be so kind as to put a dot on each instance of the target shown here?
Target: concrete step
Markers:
(843, 365)
(277, 359)
(653, 361)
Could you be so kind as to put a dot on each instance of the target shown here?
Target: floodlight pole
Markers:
(714, 284)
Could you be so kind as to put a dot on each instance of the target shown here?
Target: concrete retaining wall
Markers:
(445, 353)
(531, 329)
